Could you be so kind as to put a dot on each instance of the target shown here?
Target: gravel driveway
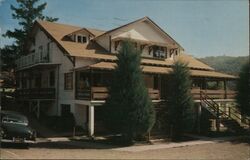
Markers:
(235, 150)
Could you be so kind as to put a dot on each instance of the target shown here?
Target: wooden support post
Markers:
(91, 83)
(149, 136)
(91, 124)
(225, 88)
(199, 118)
(217, 119)
(229, 112)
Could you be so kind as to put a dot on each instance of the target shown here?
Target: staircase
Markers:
(232, 119)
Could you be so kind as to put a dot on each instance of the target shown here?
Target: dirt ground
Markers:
(223, 150)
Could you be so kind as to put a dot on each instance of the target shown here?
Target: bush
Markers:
(60, 123)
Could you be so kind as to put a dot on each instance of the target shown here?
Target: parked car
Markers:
(14, 128)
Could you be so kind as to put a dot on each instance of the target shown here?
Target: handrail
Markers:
(235, 110)
(214, 105)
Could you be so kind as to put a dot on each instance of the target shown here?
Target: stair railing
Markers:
(236, 112)
(217, 111)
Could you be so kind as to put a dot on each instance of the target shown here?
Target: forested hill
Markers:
(227, 64)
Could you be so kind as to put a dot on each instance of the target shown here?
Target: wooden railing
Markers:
(31, 59)
(101, 93)
(214, 94)
(215, 109)
(36, 93)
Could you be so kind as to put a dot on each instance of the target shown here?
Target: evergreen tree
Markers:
(243, 90)
(26, 13)
(129, 108)
(180, 103)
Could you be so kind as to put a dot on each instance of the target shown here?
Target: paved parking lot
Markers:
(239, 149)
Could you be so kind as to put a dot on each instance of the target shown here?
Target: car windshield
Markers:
(17, 119)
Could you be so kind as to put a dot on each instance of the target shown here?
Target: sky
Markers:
(202, 27)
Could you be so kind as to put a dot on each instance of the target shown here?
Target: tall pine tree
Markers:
(129, 108)
(243, 90)
(180, 101)
(26, 13)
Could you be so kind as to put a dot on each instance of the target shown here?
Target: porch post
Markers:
(217, 119)
(225, 88)
(91, 124)
(199, 117)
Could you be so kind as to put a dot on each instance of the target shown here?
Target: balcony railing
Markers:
(36, 93)
(101, 93)
(214, 94)
(31, 59)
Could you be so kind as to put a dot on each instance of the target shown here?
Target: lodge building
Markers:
(68, 68)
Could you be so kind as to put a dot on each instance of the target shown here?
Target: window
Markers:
(158, 52)
(41, 51)
(84, 39)
(65, 109)
(52, 78)
(81, 39)
(68, 81)
(48, 51)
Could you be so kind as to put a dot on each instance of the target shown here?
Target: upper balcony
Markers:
(32, 59)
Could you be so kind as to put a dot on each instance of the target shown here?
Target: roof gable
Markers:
(143, 29)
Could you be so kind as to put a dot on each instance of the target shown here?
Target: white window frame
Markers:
(81, 39)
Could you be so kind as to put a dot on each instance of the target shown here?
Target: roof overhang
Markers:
(165, 70)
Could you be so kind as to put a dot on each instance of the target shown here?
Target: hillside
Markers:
(227, 64)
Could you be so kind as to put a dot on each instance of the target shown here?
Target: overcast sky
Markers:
(202, 27)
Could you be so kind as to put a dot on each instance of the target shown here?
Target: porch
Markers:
(91, 90)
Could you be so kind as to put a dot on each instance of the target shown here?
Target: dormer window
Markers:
(81, 39)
